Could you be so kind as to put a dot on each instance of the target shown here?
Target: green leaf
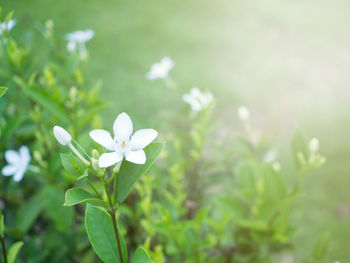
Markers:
(2, 225)
(141, 256)
(99, 227)
(41, 97)
(28, 212)
(77, 195)
(2, 91)
(88, 116)
(13, 251)
(130, 173)
(321, 247)
(72, 164)
(299, 146)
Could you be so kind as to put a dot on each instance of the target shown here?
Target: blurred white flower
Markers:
(123, 144)
(77, 40)
(197, 99)
(7, 26)
(314, 145)
(17, 163)
(161, 69)
(271, 156)
(243, 113)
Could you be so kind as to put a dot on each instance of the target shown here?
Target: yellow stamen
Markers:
(123, 144)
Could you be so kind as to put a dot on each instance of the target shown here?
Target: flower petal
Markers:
(12, 156)
(122, 128)
(142, 138)
(25, 154)
(138, 157)
(18, 176)
(9, 170)
(104, 138)
(108, 159)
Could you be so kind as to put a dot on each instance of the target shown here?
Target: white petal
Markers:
(18, 176)
(9, 170)
(142, 138)
(138, 157)
(25, 154)
(62, 136)
(108, 159)
(195, 105)
(12, 156)
(122, 128)
(104, 138)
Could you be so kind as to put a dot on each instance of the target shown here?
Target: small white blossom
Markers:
(124, 144)
(314, 145)
(197, 99)
(17, 163)
(243, 113)
(7, 26)
(62, 136)
(271, 156)
(161, 69)
(77, 40)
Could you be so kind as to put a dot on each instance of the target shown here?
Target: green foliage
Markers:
(141, 256)
(130, 173)
(99, 227)
(2, 91)
(77, 195)
(13, 251)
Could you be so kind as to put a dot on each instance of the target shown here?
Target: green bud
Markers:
(95, 154)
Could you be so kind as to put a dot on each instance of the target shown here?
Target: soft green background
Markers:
(287, 60)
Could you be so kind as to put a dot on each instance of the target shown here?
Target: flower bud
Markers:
(243, 113)
(62, 136)
(95, 154)
(314, 145)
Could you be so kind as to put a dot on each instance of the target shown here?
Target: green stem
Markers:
(112, 213)
(2, 239)
(108, 195)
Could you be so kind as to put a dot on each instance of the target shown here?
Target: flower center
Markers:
(123, 144)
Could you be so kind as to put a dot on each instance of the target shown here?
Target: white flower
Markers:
(80, 36)
(243, 113)
(271, 156)
(197, 99)
(123, 144)
(77, 40)
(17, 163)
(62, 136)
(161, 69)
(314, 145)
(7, 26)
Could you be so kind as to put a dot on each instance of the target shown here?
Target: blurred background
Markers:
(288, 61)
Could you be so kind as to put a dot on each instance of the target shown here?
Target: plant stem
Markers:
(112, 213)
(2, 239)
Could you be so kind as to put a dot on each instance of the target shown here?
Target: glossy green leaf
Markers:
(130, 173)
(99, 227)
(2, 91)
(141, 256)
(72, 164)
(13, 251)
(77, 195)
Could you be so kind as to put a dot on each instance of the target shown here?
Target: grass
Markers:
(287, 60)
